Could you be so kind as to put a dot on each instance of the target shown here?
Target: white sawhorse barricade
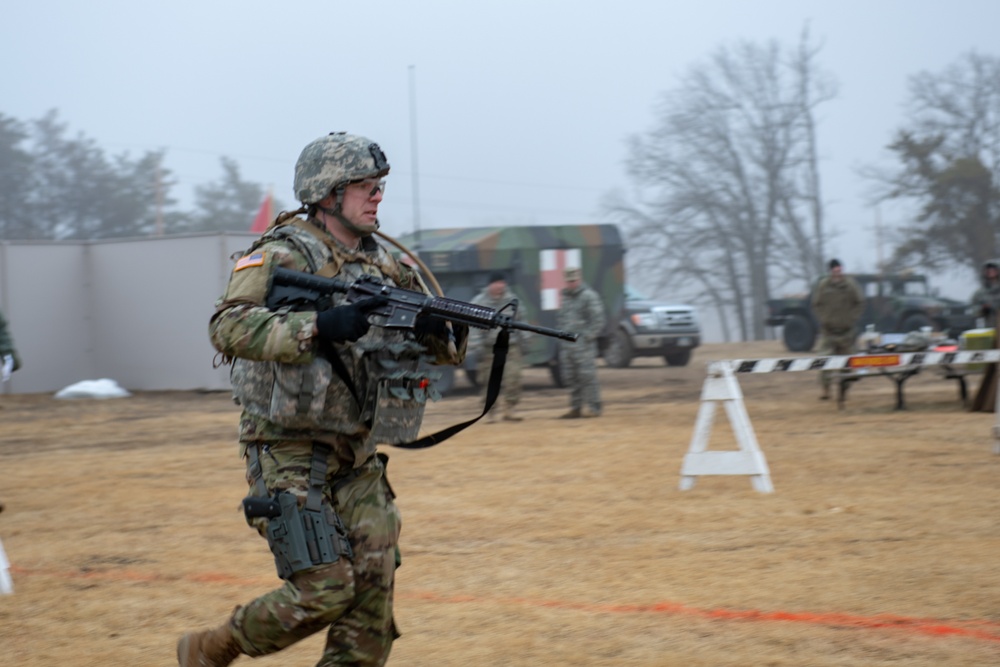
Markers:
(721, 387)
(6, 584)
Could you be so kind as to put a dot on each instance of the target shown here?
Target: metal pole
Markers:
(159, 200)
(413, 159)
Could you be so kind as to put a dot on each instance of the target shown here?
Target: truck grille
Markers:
(674, 318)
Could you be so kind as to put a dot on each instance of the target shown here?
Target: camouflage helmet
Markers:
(334, 160)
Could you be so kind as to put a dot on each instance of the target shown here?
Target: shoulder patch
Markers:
(253, 259)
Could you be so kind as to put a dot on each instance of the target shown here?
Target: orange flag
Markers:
(263, 219)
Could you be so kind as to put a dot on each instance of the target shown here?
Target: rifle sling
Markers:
(492, 392)
(331, 354)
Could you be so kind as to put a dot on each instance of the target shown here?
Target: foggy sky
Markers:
(522, 107)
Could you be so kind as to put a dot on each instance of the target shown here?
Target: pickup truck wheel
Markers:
(799, 334)
(678, 358)
(618, 353)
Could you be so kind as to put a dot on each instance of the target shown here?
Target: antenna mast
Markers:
(413, 159)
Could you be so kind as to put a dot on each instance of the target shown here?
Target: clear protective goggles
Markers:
(369, 185)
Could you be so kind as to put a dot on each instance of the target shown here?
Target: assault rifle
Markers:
(402, 306)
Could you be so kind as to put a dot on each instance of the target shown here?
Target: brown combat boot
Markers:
(572, 414)
(209, 648)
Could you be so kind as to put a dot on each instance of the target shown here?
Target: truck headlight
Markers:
(644, 320)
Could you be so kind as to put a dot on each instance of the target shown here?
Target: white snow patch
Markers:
(103, 388)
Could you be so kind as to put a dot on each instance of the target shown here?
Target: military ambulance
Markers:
(534, 259)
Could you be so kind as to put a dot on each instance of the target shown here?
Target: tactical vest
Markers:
(384, 364)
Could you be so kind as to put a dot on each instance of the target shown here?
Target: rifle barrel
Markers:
(451, 309)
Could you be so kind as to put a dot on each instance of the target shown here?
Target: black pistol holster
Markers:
(299, 538)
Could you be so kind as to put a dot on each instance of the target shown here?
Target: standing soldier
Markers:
(8, 355)
(837, 302)
(496, 295)
(583, 312)
(320, 390)
(986, 299)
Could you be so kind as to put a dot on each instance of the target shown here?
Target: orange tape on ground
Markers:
(973, 629)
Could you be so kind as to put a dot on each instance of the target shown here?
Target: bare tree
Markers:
(731, 172)
(948, 156)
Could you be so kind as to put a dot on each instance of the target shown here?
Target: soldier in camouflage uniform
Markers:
(837, 302)
(8, 355)
(581, 311)
(496, 295)
(986, 299)
(304, 431)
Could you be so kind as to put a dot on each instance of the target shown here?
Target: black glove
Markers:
(430, 326)
(348, 322)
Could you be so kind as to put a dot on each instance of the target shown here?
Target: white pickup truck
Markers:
(651, 328)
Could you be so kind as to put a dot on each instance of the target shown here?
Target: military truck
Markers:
(534, 259)
(894, 303)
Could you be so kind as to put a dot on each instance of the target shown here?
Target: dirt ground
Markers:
(545, 542)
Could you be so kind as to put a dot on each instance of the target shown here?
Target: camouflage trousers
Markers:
(578, 370)
(510, 387)
(351, 599)
(834, 344)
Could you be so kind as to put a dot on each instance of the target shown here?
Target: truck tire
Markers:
(618, 353)
(915, 322)
(678, 358)
(799, 334)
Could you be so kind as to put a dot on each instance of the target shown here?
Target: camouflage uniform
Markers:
(351, 598)
(986, 299)
(837, 302)
(7, 343)
(481, 341)
(581, 311)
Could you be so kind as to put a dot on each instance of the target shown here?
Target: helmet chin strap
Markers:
(367, 230)
(337, 213)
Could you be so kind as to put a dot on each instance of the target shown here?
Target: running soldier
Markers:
(320, 389)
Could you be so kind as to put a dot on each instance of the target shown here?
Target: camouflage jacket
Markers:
(277, 348)
(986, 300)
(482, 340)
(7, 343)
(837, 304)
(581, 311)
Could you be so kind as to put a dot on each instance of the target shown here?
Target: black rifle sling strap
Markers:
(331, 354)
(492, 392)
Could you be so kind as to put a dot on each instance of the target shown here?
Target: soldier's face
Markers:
(361, 201)
(497, 287)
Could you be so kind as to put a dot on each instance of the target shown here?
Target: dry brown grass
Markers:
(543, 542)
